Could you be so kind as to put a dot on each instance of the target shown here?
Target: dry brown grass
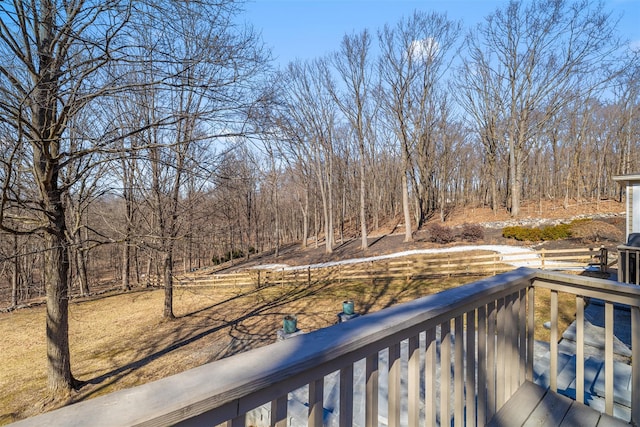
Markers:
(120, 341)
(566, 313)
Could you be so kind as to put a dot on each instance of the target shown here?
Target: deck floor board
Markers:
(533, 405)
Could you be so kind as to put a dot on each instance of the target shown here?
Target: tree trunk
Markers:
(82, 271)
(305, 218)
(513, 181)
(59, 374)
(167, 267)
(15, 274)
(408, 235)
(363, 206)
(126, 264)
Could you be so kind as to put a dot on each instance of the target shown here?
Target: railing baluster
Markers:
(608, 358)
(482, 366)
(279, 412)
(414, 381)
(458, 372)
(500, 355)
(531, 326)
(553, 343)
(470, 383)
(346, 396)
(371, 399)
(522, 336)
(491, 360)
(316, 395)
(627, 267)
(507, 346)
(238, 421)
(371, 390)
(445, 373)
(394, 385)
(514, 359)
(430, 362)
(579, 349)
(635, 365)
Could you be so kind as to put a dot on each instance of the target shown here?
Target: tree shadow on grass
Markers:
(232, 314)
(157, 349)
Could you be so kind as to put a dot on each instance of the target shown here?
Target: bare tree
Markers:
(415, 55)
(307, 119)
(354, 65)
(532, 55)
(53, 56)
(60, 59)
(476, 92)
(207, 67)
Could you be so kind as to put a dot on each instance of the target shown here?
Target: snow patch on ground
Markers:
(520, 257)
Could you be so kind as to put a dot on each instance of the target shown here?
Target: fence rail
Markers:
(414, 267)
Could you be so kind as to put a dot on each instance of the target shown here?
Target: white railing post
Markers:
(608, 358)
(238, 421)
(472, 363)
(553, 343)
(492, 394)
(430, 378)
(413, 382)
(481, 366)
(316, 396)
(371, 391)
(458, 372)
(579, 349)
(445, 372)
(395, 405)
(513, 360)
(346, 396)
(522, 336)
(531, 324)
(279, 412)
(500, 355)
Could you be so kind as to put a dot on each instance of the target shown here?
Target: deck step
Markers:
(621, 383)
(533, 405)
(567, 377)
(541, 367)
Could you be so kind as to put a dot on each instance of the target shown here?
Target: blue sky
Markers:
(308, 29)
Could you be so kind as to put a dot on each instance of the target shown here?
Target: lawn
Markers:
(119, 341)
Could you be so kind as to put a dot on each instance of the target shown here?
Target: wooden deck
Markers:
(532, 405)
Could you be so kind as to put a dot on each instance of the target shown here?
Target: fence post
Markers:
(308, 275)
(542, 258)
(604, 259)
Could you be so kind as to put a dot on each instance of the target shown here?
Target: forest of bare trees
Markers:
(136, 147)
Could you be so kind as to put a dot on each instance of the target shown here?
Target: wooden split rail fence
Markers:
(415, 267)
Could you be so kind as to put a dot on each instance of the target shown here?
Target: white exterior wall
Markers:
(633, 209)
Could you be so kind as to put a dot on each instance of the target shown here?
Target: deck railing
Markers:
(454, 356)
(629, 264)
